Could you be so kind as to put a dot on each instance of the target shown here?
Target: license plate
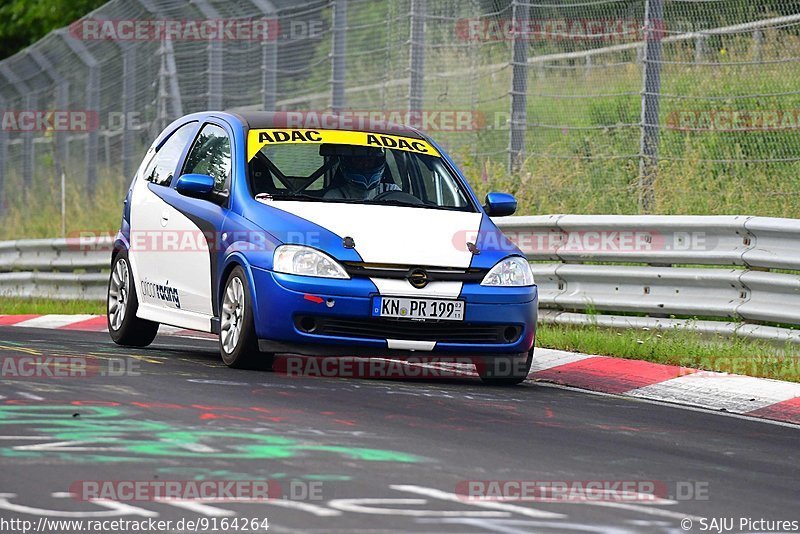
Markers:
(406, 308)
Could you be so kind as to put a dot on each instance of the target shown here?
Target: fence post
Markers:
(215, 75)
(62, 102)
(172, 75)
(269, 57)
(92, 104)
(28, 155)
(215, 51)
(3, 160)
(167, 75)
(416, 87)
(758, 42)
(339, 49)
(519, 88)
(700, 49)
(128, 101)
(648, 161)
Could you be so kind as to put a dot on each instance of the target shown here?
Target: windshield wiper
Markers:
(295, 196)
(303, 196)
(414, 205)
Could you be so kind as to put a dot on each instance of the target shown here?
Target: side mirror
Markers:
(500, 204)
(194, 185)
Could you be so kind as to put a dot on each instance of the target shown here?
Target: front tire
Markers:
(121, 306)
(238, 342)
(505, 370)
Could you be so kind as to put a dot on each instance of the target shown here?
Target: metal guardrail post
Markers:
(519, 87)
(648, 162)
(416, 85)
(338, 51)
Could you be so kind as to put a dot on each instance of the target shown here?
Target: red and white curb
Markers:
(736, 394)
(85, 323)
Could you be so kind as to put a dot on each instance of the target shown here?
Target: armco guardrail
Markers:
(666, 270)
(669, 268)
(66, 268)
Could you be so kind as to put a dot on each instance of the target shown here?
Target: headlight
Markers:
(513, 271)
(305, 261)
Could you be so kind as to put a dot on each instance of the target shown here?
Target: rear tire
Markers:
(238, 342)
(505, 370)
(121, 306)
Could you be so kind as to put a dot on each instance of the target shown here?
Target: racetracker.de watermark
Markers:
(37, 367)
(583, 241)
(580, 490)
(428, 120)
(197, 490)
(355, 367)
(48, 120)
(230, 29)
(710, 120)
(579, 29)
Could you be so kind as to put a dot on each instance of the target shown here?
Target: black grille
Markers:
(443, 331)
(433, 274)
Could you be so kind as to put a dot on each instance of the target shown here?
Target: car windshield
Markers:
(355, 167)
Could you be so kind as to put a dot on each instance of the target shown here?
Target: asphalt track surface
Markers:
(380, 455)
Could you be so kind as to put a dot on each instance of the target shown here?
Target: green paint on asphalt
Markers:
(109, 434)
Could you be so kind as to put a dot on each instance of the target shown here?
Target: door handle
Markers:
(164, 218)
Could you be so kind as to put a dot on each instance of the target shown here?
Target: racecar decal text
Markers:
(278, 136)
(387, 141)
(258, 139)
(164, 293)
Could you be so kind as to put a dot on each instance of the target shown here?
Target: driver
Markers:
(361, 177)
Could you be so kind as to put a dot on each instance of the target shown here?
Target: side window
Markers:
(162, 166)
(436, 184)
(211, 155)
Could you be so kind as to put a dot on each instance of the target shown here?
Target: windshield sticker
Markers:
(258, 139)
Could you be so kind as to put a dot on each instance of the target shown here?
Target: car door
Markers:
(151, 238)
(198, 221)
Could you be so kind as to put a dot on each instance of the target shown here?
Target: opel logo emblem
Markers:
(417, 278)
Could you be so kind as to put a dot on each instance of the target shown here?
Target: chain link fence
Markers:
(603, 106)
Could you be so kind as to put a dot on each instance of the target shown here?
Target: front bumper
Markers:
(283, 300)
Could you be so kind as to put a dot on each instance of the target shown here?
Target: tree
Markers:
(23, 22)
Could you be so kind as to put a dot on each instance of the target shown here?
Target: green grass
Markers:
(678, 347)
(40, 306)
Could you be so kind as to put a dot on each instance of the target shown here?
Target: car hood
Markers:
(395, 234)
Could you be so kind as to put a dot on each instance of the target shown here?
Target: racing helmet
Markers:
(365, 170)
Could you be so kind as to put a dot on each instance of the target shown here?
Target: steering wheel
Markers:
(400, 196)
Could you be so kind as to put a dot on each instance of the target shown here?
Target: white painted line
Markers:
(489, 505)
(549, 358)
(30, 396)
(53, 321)
(671, 404)
(718, 391)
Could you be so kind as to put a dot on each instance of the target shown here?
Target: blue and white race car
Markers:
(322, 242)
